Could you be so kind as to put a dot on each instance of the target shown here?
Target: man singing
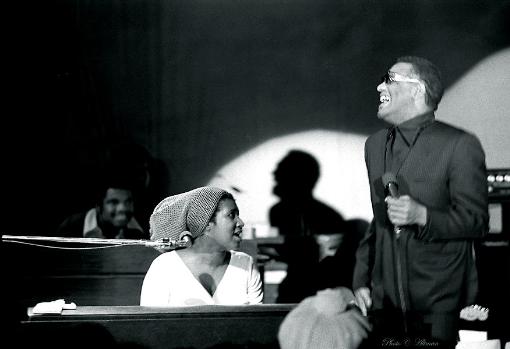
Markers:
(415, 267)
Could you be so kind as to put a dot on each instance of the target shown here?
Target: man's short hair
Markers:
(430, 75)
(111, 182)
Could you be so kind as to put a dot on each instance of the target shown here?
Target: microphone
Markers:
(183, 241)
(390, 184)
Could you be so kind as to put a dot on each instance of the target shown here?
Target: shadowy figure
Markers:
(311, 229)
(298, 213)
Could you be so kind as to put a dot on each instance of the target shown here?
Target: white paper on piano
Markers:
(487, 344)
(53, 307)
(472, 336)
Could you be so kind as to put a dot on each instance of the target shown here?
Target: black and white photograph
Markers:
(247, 174)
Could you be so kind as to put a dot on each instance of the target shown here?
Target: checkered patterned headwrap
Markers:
(189, 211)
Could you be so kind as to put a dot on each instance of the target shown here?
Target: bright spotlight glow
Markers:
(479, 102)
(342, 184)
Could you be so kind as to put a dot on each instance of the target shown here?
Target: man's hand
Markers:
(363, 299)
(406, 211)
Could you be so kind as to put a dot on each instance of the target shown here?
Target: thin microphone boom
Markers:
(184, 241)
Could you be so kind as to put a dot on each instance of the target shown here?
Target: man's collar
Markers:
(410, 129)
(91, 226)
(417, 121)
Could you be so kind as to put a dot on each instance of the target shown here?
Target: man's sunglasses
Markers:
(391, 77)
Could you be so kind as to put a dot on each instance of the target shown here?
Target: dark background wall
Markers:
(199, 82)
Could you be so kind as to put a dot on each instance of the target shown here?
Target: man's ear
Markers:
(417, 90)
(419, 93)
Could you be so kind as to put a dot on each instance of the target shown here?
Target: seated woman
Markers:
(211, 271)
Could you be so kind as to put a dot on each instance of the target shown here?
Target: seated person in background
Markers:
(111, 218)
(210, 271)
(327, 320)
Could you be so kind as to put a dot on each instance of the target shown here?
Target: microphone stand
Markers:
(166, 244)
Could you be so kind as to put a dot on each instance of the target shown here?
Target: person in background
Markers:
(211, 270)
(148, 176)
(328, 320)
(111, 218)
(311, 229)
(415, 267)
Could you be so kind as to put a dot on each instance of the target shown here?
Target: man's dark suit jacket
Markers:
(430, 269)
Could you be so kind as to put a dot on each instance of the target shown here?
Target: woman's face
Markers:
(227, 226)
